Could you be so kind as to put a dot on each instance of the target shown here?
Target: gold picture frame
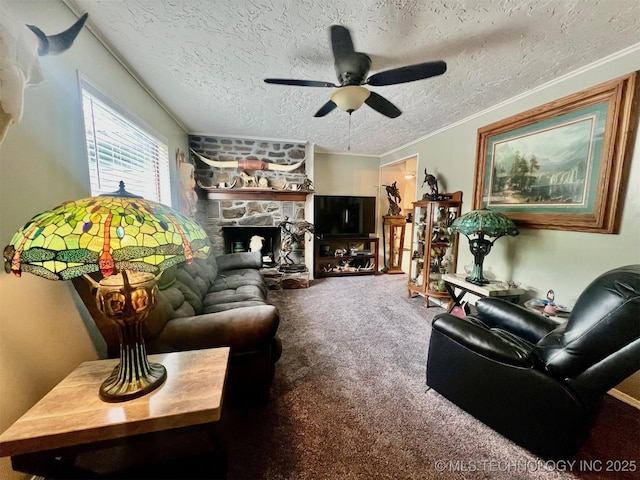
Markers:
(562, 165)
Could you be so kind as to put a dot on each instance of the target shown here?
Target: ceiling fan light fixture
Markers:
(350, 98)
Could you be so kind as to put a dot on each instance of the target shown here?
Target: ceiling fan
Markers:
(352, 68)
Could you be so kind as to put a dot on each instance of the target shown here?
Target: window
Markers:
(118, 149)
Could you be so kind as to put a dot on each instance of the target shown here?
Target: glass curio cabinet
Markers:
(434, 248)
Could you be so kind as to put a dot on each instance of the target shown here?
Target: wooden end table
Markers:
(60, 435)
(492, 289)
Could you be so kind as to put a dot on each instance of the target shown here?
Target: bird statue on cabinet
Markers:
(432, 181)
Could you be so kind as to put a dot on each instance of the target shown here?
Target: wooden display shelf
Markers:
(256, 194)
(344, 274)
(321, 261)
(431, 244)
(336, 259)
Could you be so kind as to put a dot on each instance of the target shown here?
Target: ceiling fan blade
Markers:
(410, 73)
(299, 83)
(341, 42)
(382, 105)
(326, 108)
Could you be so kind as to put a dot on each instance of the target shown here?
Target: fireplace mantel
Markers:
(257, 194)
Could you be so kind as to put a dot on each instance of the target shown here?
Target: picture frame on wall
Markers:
(562, 165)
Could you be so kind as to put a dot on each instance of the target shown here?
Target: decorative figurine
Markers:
(188, 195)
(292, 233)
(248, 180)
(393, 195)
(228, 185)
(432, 181)
(255, 243)
(306, 185)
(550, 307)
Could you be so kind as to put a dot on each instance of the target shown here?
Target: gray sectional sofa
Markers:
(220, 301)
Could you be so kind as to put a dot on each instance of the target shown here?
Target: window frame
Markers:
(161, 162)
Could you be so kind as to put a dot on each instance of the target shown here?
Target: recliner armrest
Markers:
(513, 318)
(481, 340)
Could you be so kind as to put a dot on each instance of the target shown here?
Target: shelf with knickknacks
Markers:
(342, 255)
(434, 247)
(252, 179)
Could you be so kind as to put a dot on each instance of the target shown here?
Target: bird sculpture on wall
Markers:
(20, 47)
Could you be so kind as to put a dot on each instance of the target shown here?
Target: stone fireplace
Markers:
(236, 214)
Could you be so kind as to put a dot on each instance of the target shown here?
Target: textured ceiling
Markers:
(206, 60)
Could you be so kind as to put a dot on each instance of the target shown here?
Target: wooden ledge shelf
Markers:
(256, 194)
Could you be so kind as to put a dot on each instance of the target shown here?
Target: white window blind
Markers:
(118, 149)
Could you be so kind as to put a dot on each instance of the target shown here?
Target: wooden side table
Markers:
(492, 289)
(52, 439)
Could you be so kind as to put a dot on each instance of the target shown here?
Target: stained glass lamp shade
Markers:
(130, 241)
(482, 223)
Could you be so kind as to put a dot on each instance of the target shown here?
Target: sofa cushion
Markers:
(233, 261)
(234, 279)
(240, 294)
(245, 331)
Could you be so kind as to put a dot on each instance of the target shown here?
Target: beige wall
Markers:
(564, 261)
(43, 163)
(347, 174)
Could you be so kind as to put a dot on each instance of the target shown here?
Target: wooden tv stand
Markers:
(340, 256)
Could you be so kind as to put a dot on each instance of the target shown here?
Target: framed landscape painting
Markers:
(562, 165)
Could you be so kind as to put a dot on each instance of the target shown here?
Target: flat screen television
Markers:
(344, 216)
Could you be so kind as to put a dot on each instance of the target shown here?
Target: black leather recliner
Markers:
(534, 381)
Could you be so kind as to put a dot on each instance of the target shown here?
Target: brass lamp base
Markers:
(117, 388)
(126, 299)
(135, 376)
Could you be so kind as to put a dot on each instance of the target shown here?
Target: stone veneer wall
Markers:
(215, 214)
(230, 149)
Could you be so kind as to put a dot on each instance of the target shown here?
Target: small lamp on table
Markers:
(482, 223)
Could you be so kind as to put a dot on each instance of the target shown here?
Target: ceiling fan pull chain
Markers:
(349, 145)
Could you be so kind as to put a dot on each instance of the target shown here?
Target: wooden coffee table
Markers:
(70, 425)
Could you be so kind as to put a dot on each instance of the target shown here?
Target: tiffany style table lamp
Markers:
(482, 223)
(130, 241)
